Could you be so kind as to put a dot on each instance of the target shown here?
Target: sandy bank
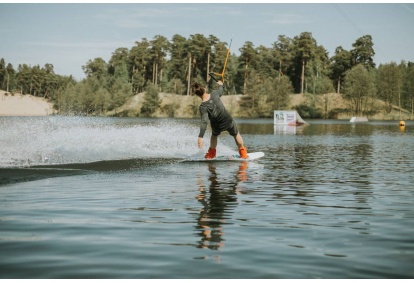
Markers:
(24, 105)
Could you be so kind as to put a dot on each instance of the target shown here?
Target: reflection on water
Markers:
(218, 201)
(288, 130)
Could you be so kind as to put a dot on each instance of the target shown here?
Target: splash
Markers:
(31, 141)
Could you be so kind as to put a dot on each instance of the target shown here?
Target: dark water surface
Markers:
(108, 198)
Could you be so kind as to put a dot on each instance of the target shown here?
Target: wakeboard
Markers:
(234, 157)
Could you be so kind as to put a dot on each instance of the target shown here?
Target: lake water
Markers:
(109, 198)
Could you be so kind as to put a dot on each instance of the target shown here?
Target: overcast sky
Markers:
(68, 35)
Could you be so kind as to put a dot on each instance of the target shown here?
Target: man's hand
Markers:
(200, 142)
(220, 83)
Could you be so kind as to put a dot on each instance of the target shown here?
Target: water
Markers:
(108, 198)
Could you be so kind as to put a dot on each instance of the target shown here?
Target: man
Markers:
(213, 109)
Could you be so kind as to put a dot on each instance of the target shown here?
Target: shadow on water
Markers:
(18, 175)
(26, 174)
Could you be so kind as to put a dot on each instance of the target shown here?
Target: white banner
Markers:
(285, 117)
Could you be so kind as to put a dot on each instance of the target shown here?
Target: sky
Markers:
(69, 35)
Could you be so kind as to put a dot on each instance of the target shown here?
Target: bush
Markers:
(152, 101)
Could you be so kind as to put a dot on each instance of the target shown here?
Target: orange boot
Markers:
(243, 152)
(211, 153)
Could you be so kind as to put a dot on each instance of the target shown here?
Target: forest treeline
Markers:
(264, 75)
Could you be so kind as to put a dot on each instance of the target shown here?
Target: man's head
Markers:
(198, 89)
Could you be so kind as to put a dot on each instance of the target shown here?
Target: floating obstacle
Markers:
(358, 119)
(288, 117)
(402, 126)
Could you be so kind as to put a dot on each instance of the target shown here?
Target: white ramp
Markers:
(358, 119)
(288, 117)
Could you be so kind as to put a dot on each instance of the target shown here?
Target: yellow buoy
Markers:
(402, 126)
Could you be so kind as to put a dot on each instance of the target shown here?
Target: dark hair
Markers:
(198, 89)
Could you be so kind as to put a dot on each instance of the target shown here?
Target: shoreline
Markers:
(29, 105)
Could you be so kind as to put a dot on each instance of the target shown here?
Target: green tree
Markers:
(57, 95)
(10, 78)
(317, 71)
(121, 72)
(249, 102)
(50, 81)
(152, 101)
(120, 91)
(359, 87)
(102, 101)
(139, 57)
(199, 47)
(7, 76)
(96, 68)
(304, 46)
(3, 74)
(87, 93)
(265, 61)
(325, 87)
(408, 87)
(36, 81)
(279, 96)
(363, 52)
(159, 49)
(68, 99)
(284, 48)
(246, 59)
(23, 78)
(119, 58)
(265, 94)
(389, 84)
(177, 64)
(340, 63)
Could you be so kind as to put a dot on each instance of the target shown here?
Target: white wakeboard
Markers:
(234, 157)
